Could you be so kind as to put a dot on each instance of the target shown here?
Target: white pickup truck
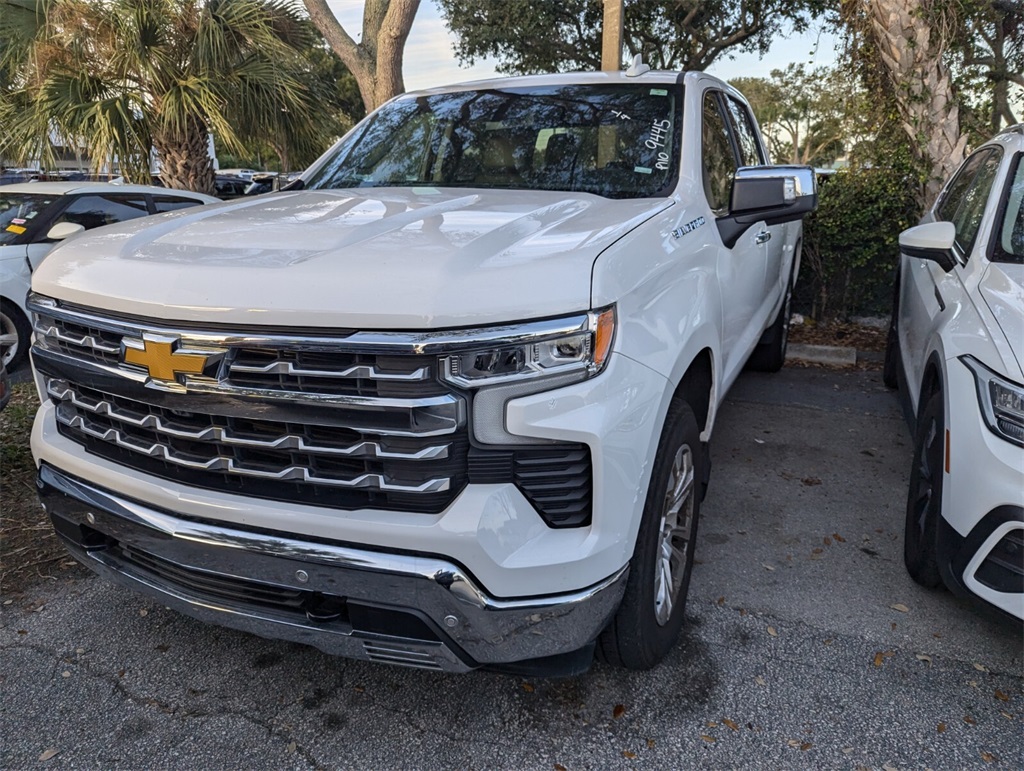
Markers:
(445, 402)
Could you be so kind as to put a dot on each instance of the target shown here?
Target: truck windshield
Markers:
(17, 210)
(618, 141)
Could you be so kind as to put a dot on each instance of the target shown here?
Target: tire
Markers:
(770, 355)
(892, 363)
(924, 498)
(648, 621)
(15, 334)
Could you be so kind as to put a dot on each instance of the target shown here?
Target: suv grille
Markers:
(315, 420)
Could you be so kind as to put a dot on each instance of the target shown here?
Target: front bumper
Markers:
(402, 609)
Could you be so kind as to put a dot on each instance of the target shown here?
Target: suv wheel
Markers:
(924, 499)
(647, 623)
(15, 334)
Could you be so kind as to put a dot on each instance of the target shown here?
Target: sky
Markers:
(430, 59)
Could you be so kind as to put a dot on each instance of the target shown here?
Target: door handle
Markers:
(763, 237)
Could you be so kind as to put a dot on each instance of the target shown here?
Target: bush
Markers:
(850, 247)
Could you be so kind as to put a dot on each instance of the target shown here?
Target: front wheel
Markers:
(924, 499)
(648, 622)
(15, 333)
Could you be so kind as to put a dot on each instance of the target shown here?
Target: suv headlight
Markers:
(577, 345)
(1002, 401)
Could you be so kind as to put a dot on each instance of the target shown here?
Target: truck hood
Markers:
(370, 259)
(1002, 288)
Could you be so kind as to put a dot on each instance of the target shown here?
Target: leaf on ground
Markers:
(292, 746)
(760, 680)
(970, 720)
(650, 744)
(743, 611)
(900, 607)
(711, 724)
(1002, 696)
(811, 481)
(628, 755)
(838, 538)
(619, 711)
(827, 541)
(527, 687)
(924, 657)
(794, 743)
(721, 600)
(881, 656)
(143, 612)
(766, 566)
(1007, 715)
(47, 754)
(889, 767)
(981, 667)
(772, 632)
(805, 746)
(941, 728)
(731, 724)
(847, 750)
(560, 767)
(65, 673)
(988, 757)
(708, 739)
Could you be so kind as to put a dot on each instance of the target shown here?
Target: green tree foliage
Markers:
(807, 116)
(988, 61)
(120, 77)
(533, 36)
(850, 246)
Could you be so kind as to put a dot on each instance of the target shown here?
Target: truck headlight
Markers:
(1002, 401)
(578, 345)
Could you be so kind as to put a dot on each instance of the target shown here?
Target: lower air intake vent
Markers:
(557, 480)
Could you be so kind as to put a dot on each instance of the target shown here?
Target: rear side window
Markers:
(716, 151)
(93, 211)
(165, 203)
(1009, 245)
(746, 136)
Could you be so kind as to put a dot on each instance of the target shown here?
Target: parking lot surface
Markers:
(806, 646)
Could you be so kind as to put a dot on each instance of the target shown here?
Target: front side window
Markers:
(614, 141)
(953, 196)
(716, 150)
(1009, 245)
(17, 213)
(967, 218)
(746, 136)
(93, 211)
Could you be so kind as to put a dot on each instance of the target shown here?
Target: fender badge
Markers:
(689, 227)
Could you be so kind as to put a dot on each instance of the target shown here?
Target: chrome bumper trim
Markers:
(477, 629)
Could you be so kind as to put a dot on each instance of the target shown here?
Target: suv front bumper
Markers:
(404, 609)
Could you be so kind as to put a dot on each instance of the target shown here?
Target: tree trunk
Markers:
(185, 162)
(911, 37)
(376, 61)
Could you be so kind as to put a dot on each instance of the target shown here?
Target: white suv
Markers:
(956, 347)
(446, 401)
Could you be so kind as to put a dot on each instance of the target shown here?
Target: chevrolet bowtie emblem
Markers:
(162, 362)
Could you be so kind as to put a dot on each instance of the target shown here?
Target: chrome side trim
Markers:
(426, 342)
(61, 391)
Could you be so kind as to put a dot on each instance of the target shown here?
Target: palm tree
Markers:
(122, 77)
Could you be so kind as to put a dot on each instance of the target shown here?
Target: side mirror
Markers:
(63, 230)
(773, 194)
(931, 241)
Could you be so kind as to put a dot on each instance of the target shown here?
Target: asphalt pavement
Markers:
(806, 646)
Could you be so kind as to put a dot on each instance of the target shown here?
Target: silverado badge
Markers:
(160, 359)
